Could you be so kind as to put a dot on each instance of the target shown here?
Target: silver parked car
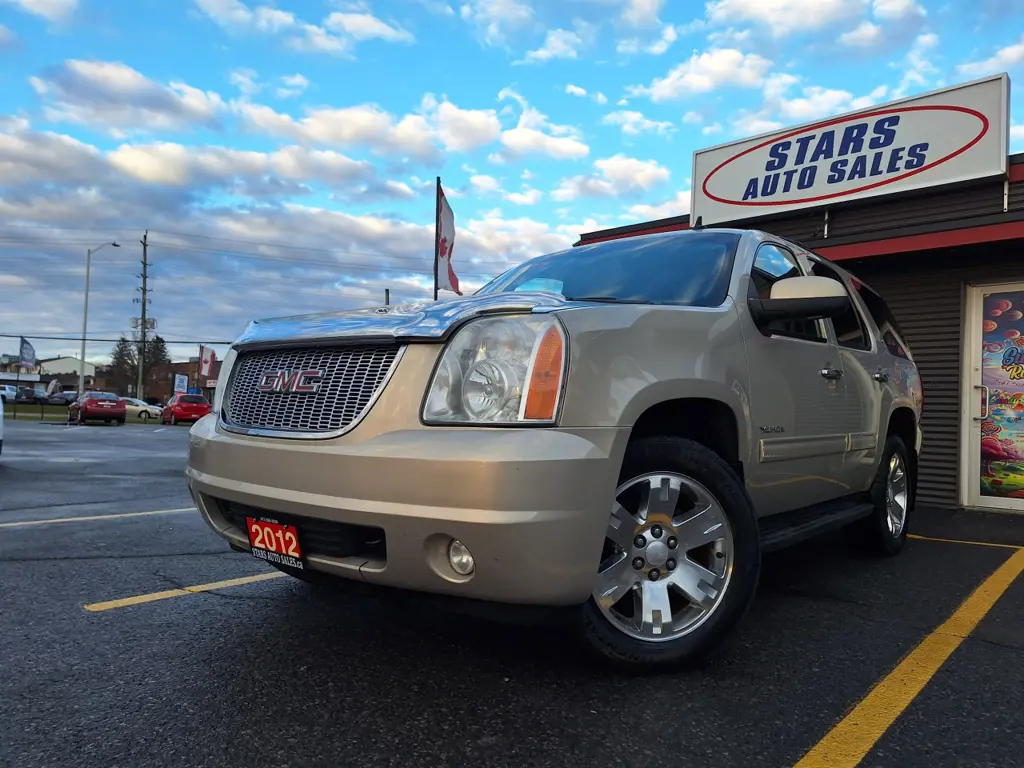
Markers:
(619, 429)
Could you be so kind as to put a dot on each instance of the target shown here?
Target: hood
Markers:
(426, 320)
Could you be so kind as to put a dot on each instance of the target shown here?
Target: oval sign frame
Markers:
(985, 125)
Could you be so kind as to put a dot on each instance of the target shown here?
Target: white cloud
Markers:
(114, 97)
(1002, 60)
(336, 35)
(677, 206)
(693, 117)
(812, 102)
(634, 123)
(784, 17)
(918, 67)
(642, 13)
(615, 176)
(710, 130)
(600, 98)
(864, 35)
(484, 185)
(1017, 135)
(369, 125)
(292, 85)
(494, 20)
(558, 44)
(528, 196)
(630, 45)
(535, 134)
(706, 72)
(51, 10)
(7, 37)
(575, 90)
(245, 80)
(366, 26)
(893, 10)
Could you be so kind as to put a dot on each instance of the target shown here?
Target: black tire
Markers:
(706, 467)
(120, 422)
(872, 533)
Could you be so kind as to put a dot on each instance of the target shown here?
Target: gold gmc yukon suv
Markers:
(617, 430)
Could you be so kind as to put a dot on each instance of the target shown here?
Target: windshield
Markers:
(195, 399)
(690, 269)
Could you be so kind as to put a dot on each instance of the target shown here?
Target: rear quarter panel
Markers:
(623, 359)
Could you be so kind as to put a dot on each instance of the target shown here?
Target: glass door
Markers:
(995, 403)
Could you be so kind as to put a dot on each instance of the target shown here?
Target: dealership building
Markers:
(921, 199)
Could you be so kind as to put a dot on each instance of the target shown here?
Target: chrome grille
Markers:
(352, 376)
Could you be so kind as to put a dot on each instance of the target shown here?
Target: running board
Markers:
(788, 528)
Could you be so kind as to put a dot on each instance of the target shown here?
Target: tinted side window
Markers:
(772, 264)
(884, 319)
(850, 331)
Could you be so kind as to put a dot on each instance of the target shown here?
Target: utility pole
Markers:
(142, 325)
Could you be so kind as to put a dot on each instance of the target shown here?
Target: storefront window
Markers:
(1002, 377)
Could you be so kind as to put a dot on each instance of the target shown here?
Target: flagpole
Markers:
(437, 231)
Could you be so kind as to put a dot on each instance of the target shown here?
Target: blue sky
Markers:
(283, 154)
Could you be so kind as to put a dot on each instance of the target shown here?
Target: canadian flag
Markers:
(206, 358)
(445, 276)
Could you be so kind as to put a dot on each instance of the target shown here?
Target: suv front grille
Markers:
(351, 378)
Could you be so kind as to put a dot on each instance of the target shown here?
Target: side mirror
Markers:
(801, 298)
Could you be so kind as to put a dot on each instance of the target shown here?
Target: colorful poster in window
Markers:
(1002, 372)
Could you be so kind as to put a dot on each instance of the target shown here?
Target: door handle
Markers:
(985, 414)
(831, 373)
(880, 375)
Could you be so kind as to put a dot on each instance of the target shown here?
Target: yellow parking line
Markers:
(125, 602)
(21, 523)
(963, 541)
(854, 736)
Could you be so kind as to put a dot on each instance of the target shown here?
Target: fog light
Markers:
(460, 558)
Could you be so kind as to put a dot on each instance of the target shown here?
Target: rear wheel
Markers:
(884, 532)
(681, 558)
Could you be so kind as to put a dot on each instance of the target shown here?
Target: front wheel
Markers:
(144, 415)
(681, 558)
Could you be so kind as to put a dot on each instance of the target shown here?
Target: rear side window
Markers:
(850, 331)
(892, 336)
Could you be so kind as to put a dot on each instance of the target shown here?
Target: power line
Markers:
(111, 341)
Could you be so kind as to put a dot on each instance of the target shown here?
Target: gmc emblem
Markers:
(298, 382)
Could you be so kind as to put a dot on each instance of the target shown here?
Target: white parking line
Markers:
(82, 519)
(159, 430)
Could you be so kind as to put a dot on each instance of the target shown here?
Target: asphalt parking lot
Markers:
(843, 660)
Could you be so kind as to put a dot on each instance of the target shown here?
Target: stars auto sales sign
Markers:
(954, 135)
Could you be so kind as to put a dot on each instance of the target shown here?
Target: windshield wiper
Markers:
(609, 299)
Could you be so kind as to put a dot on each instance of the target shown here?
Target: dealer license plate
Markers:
(274, 542)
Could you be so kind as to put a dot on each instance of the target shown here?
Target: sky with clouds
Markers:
(282, 154)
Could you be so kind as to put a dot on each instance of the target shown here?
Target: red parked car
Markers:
(97, 406)
(185, 408)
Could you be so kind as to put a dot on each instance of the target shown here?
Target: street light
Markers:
(85, 313)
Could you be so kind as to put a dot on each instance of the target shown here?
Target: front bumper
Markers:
(532, 505)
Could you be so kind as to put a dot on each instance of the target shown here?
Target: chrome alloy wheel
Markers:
(896, 495)
(667, 560)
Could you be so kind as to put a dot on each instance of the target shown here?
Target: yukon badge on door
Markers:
(295, 382)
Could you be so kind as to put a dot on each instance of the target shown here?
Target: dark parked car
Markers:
(97, 406)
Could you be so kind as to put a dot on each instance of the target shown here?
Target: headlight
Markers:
(499, 370)
(222, 379)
